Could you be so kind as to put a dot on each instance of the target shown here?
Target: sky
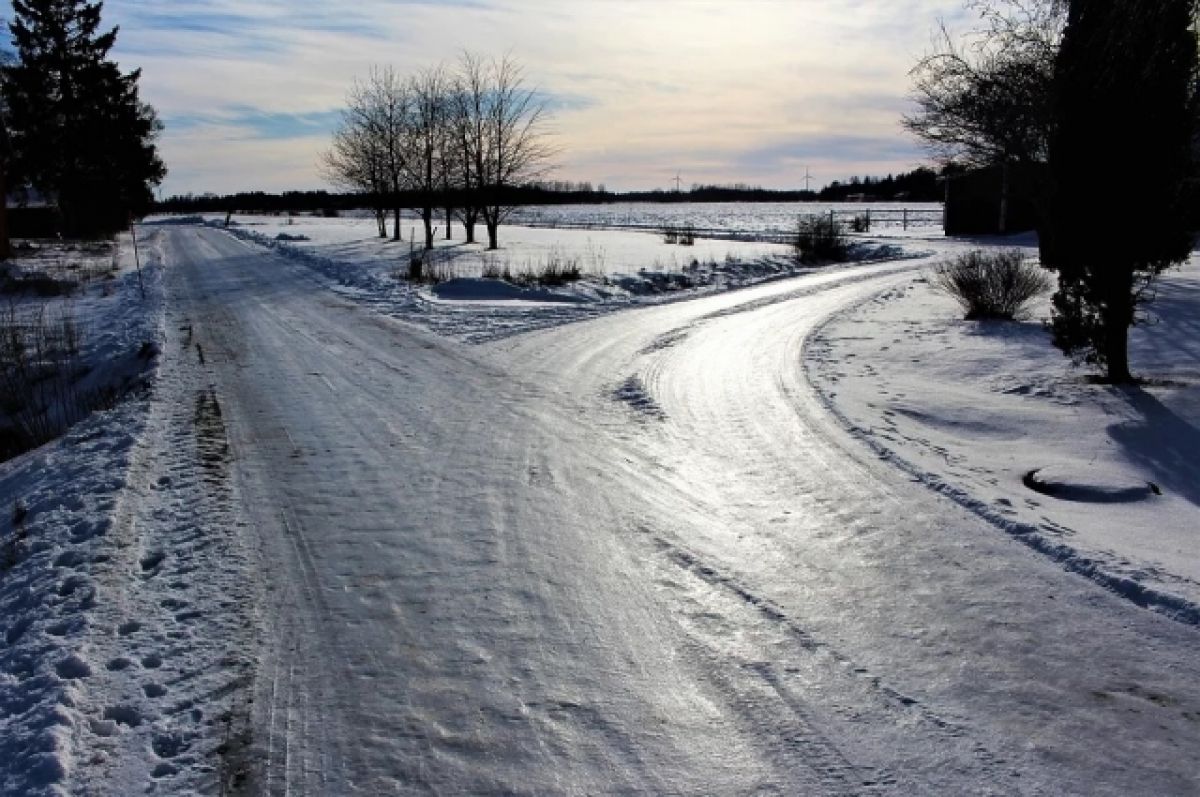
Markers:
(750, 91)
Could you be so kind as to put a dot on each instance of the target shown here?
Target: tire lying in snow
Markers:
(1090, 488)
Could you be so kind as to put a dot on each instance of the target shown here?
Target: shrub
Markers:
(684, 235)
(995, 285)
(416, 268)
(820, 239)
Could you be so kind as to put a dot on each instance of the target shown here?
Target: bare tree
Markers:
(463, 140)
(355, 161)
(380, 108)
(985, 101)
(425, 135)
(500, 126)
(468, 101)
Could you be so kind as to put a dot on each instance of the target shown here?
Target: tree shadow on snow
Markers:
(1163, 443)
(1170, 342)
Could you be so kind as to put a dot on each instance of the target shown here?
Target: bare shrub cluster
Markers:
(820, 239)
(684, 235)
(991, 285)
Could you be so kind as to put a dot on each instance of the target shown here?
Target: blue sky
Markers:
(753, 91)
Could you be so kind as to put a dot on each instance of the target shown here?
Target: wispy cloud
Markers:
(638, 88)
(259, 124)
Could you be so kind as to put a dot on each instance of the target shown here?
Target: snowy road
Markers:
(635, 554)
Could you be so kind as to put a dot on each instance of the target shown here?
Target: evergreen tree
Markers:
(1124, 86)
(79, 132)
(5, 161)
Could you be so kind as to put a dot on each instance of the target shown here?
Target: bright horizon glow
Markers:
(751, 92)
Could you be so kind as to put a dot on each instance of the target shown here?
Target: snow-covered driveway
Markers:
(634, 554)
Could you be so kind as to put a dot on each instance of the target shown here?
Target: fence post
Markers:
(831, 221)
(868, 219)
(137, 260)
(906, 219)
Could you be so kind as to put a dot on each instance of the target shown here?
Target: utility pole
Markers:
(807, 178)
(677, 182)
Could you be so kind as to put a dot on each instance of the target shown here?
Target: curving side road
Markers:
(634, 555)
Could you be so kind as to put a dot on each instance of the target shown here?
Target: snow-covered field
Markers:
(643, 534)
(598, 252)
(732, 219)
(620, 269)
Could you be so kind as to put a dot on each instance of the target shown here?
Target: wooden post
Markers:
(137, 260)
(868, 219)
(905, 212)
(946, 208)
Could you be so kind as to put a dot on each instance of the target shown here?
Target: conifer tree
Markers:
(79, 133)
(1124, 91)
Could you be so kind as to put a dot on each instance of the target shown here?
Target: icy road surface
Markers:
(635, 554)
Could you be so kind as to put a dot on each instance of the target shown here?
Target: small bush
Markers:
(416, 268)
(820, 239)
(684, 235)
(995, 285)
(860, 223)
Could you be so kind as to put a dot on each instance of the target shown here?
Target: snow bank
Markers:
(55, 536)
(464, 289)
(1102, 479)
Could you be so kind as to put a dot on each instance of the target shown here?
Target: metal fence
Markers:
(864, 221)
(904, 218)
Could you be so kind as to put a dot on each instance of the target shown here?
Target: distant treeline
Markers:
(920, 185)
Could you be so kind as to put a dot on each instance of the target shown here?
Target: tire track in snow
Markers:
(731, 598)
(293, 756)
